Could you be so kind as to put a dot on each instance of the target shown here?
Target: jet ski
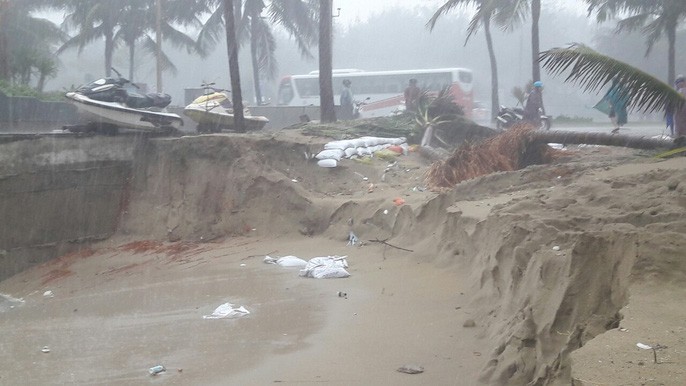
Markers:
(108, 104)
(213, 112)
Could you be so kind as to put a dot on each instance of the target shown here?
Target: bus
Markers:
(385, 89)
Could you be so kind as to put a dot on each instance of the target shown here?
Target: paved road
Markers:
(648, 129)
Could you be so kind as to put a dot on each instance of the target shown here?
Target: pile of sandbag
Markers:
(360, 147)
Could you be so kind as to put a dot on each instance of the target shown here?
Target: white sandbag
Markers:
(286, 261)
(330, 154)
(341, 145)
(363, 151)
(358, 142)
(326, 268)
(227, 311)
(349, 152)
(327, 163)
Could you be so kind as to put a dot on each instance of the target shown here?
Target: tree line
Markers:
(29, 46)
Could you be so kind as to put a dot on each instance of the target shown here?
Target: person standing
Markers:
(680, 114)
(346, 100)
(533, 107)
(617, 99)
(412, 96)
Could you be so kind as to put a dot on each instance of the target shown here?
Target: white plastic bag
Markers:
(227, 311)
(286, 261)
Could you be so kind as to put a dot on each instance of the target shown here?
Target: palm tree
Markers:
(653, 18)
(94, 19)
(593, 71)
(326, 102)
(128, 22)
(513, 12)
(26, 43)
(485, 10)
(139, 21)
(232, 48)
(295, 16)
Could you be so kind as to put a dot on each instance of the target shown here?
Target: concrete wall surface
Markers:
(58, 192)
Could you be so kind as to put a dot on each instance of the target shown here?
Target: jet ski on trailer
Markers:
(213, 112)
(107, 104)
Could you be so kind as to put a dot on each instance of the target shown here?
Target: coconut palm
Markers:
(593, 71)
(234, 71)
(139, 21)
(26, 43)
(126, 22)
(295, 16)
(653, 18)
(514, 12)
(485, 11)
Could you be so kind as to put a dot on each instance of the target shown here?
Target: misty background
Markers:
(396, 38)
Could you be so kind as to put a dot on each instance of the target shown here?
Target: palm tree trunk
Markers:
(535, 44)
(326, 102)
(109, 51)
(603, 139)
(495, 103)
(255, 64)
(132, 51)
(232, 48)
(4, 54)
(671, 55)
(158, 45)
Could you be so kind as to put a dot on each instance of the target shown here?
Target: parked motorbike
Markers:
(121, 90)
(508, 116)
(357, 106)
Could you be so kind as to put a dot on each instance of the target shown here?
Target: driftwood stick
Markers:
(390, 245)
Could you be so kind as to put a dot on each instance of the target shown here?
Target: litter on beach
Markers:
(227, 311)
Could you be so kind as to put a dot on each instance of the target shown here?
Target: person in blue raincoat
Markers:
(617, 100)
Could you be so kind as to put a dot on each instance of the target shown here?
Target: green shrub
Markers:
(24, 90)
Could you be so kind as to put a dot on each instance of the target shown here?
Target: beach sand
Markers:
(540, 276)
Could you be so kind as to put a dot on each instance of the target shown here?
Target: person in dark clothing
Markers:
(346, 101)
(412, 93)
(534, 104)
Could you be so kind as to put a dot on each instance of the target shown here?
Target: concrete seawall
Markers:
(57, 192)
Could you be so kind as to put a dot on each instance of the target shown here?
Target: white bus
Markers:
(385, 89)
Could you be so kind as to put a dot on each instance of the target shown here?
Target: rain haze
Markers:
(387, 204)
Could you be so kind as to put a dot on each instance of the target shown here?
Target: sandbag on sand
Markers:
(286, 261)
(326, 268)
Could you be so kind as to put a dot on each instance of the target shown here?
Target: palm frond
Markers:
(512, 13)
(593, 71)
(444, 10)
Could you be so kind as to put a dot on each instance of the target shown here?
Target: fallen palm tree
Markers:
(517, 148)
(510, 150)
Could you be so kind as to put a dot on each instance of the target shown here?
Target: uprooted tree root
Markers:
(511, 150)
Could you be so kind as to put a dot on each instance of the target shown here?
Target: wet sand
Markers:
(120, 311)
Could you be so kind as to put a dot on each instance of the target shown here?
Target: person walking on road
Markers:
(346, 100)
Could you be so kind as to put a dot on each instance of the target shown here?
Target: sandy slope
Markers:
(542, 260)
